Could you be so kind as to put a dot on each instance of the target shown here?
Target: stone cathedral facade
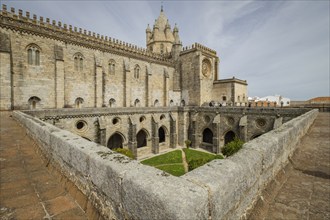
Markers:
(47, 65)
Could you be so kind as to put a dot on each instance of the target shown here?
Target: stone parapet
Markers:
(234, 184)
(78, 36)
(118, 187)
(200, 47)
(121, 188)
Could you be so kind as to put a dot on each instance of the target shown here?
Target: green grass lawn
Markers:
(168, 158)
(195, 155)
(172, 162)
(174, 169)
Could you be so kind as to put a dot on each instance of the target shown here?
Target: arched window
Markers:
(112, 67)
(161, 135)
(33, 52)
(156, 103)
(115, 141)
(229, 137)
(207, 136)
(161, 48)
(171, 102)
(78, 102)
(112, 102)
(136, 102)
(141, 138)
(137, 72)
(33, 102)
(78, 62)
(183, 103)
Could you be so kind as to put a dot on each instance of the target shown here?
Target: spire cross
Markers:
(161, 7)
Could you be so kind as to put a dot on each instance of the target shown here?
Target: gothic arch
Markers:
(141, 138)
(229, 136)
(33, 54)
(112, 67)
(183, 103)
(112, 102)
(116, 140)
(208, 136)
(137, 103)
(162, 132)
(156, 103)
(78, 102)
(137, 71)
(33, 102)
(78, 61)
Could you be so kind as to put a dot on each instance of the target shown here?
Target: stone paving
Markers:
(302, 189)
(28, 190)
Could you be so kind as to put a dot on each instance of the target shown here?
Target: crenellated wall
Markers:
(73, 65)
(47, 64)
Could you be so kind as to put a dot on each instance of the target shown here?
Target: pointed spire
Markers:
(161, 7)
(148, 29)
(175, 29)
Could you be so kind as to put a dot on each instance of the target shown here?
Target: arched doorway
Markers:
(207, 136)
(161, 135)
(229, 136)
(141, 139)
(115, 141)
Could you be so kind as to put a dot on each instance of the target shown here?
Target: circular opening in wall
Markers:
(230, 120)
(81, 125)
(207, 118)
(142, 118)
(115, 121)
(261, 122)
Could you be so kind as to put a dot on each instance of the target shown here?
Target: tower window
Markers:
(161, 48)
(33, 55)
(137, 72)
(112, 67)
(78, 62)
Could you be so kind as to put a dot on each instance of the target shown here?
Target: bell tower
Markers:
(161, 39)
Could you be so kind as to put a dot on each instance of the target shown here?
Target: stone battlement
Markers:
(57, 30)
(197, 46)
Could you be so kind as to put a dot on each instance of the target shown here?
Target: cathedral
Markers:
(47, 64)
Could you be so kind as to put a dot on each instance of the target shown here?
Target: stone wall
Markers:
(235, 183)
(106, 69)
(120, 188)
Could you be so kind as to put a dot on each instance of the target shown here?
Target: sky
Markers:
(279, 47)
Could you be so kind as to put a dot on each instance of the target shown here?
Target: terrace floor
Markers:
(302, 189)
(28, 189)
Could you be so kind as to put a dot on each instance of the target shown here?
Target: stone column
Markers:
(132, 144)
(243, 128)
(6, 82)
(154, 136)
(98, 83)
(148, 87)
(217, 134)
(166, 76)
(195, 135)
(102, 131)
(173, 134)
(127, 84)
(59, 77)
